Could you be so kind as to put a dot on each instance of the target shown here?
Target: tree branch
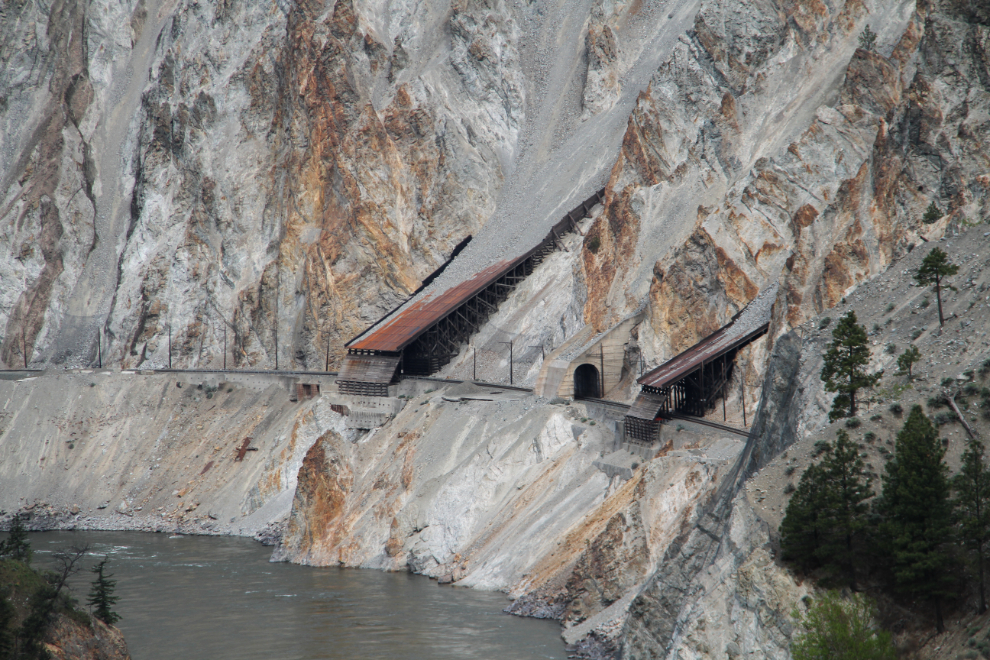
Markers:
(962, 420)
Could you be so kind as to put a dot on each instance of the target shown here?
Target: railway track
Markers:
(606, 402)
(706, 422)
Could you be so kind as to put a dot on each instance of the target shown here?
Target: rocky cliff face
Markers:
(275, 177)
(187, 167)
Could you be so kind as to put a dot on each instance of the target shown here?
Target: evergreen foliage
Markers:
(101, 596)
(908, 359)
(32, 632)
(841, 629)
(16, 546)
(847, 488)
(868, 39)
(934, 268)
(972, 505)
(7, 616)
(803, 527)
(845, 366)
(826, 515)
(917, 512)
(932, 214)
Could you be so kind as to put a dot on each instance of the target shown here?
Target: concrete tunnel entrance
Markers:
(587, 382)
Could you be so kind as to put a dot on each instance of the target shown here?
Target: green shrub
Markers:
(916, 333)
(890, 307)
(841, 629)
(943, 418)
(853, 423)
(870, 436)
(824, 323)
(938, 401)
(890, 348)
(948, 381)
(897, 409)
(594, 243)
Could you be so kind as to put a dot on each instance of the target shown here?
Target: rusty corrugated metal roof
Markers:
(409, 323)
(714, 345)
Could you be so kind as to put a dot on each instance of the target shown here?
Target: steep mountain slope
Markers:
(291, 171)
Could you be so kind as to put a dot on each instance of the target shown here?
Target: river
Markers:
(213, 598)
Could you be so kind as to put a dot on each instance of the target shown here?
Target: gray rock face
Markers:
(725, 536)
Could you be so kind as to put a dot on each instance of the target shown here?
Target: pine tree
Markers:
(907, 359)
(847, 489)
(972, 504)
(845, 363)
(932, 214)
(803, 527)
(868, 39)
(101, 596)
(7, 616)
(917, 513)
(933, 269)
(16, 545)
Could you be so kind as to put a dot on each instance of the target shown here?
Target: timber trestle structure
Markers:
(418, 339)
(692, 382)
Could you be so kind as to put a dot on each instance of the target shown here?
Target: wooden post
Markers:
(601, 357)
(278, 286)
(510, 359)
(723, 389)
(742, 395)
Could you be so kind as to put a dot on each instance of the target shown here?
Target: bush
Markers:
(790, 470)
(925, 303)
(897, 409)
(938, 401)
(985, 368)
(876, 418)
(943, 418)
(948, 381)
(916, 333)
(789, 488)
(870, 436)
(839, 629)
(890, 348)
(594, 243)
(971, 389)
(890, 307)
(853, 423)
(824, 323)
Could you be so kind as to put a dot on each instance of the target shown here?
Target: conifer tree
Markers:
(933, 269)
(972, 505)
(932, 214)
(868, 39)
(917, 513)
(847, 489)
(803, 528)
(845, 366)
(7, 616)
(16, 545)
(101, 596)
(907, 359)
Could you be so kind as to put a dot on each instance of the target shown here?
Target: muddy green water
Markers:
(213, 598)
